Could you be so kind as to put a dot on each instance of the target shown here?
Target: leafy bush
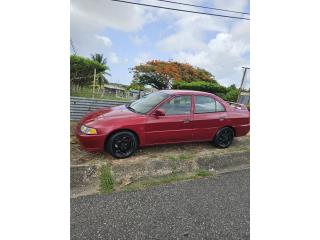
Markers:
(232, 94)
(227, 93)
(210, 87)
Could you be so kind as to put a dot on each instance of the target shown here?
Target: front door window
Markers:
(180, 105)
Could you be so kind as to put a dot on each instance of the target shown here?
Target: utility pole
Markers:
(73, 47)
(241, 85)
(94, 82)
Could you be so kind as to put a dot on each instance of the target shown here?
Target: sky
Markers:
(128, 35)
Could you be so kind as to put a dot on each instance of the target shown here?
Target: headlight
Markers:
(88, 130)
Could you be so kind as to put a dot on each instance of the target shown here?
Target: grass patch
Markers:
(174, 177)
(184, 157)
(203, 173)
(173, 164)
(174, 160)
(106, 180)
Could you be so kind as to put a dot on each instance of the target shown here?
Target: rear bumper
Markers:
(91, 143)
(242, 130)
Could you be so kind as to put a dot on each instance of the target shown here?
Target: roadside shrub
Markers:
(232, 94)
(226, 93)
(210, 87)
(106, 180)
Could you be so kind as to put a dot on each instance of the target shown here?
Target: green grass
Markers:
(87, 93)
(184, 157)
(203, 173)
(174, 177)
(106, 180)
(174, 160)
(173, 164)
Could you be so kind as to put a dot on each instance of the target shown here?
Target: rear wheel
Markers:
(122, 144)
(224, 137)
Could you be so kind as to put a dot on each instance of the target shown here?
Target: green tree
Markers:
(162, 75)
(232, 93)
(99, 58)
(101, 79)
(82, 70)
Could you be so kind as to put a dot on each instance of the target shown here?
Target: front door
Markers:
(175, 126)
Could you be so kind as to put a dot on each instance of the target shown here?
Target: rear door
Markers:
(175, 126)
(209, 116)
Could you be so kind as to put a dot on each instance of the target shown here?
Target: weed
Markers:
(106, 180)
(203, 173)
(184, 157)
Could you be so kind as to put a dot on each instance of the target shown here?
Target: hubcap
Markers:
(123, 145)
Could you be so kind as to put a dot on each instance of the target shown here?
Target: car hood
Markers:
(108, 113)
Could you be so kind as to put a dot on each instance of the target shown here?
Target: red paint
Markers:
(153, 129)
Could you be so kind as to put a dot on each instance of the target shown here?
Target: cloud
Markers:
(90, 18)
(220, 45)
(101, 14)
(189, 32)
(224, 56)
(235, 5)
(223, 53)
(142, 58)
(113, 58)
(138, 40)
(107, 42)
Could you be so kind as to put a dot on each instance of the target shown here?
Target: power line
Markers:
(198, 6)
(72, 46)
(181, 10)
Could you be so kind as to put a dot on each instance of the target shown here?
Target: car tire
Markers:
(224, 137)
(122, 144)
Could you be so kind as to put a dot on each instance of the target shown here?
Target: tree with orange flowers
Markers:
(162, 75)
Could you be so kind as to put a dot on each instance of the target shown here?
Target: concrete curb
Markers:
(217, 162)
(85, 175)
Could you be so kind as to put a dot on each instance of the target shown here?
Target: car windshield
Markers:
(146, 103)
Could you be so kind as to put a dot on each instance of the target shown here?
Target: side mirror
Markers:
(159, 113)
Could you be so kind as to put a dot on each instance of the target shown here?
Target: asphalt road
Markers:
(212, 208)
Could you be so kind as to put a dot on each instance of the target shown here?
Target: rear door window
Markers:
(204, 104)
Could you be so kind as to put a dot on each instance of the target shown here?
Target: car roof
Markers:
(181, 92)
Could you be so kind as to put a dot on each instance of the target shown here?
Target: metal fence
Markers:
(80, 106)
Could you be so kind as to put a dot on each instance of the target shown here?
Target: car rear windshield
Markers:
(146, 103)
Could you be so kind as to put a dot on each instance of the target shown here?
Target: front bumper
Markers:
(91, 143)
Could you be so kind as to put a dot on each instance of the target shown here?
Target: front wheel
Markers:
(122, 144)
(224, 137)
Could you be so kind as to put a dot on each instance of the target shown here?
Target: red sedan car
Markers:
(168, 116)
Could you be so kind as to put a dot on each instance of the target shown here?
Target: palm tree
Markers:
(102, 60)
(99, 58)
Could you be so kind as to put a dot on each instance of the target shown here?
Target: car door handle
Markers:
(221, 118)
(186, 120)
